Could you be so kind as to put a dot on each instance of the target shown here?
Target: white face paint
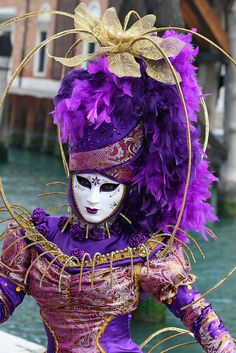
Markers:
(97, 197)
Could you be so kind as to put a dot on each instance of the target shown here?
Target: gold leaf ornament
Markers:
(123, 46)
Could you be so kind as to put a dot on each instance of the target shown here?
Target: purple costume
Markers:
(96, 319)
(88, 279)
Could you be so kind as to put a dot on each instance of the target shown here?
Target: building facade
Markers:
(26, 117)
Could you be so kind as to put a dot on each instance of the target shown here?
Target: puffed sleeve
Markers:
(15, 260)
(169, 280)
(164, 275)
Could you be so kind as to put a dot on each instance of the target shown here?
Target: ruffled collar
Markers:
(77, 231)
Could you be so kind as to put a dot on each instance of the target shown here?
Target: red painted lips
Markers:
(91, 210)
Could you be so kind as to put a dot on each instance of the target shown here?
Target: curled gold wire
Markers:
(33, 14)
(178, 346)
(97, 254)
(47, 268)
(62, 271)
(131, 263)
(212, 233)
(18, 239)
(143, 246)
(33, 51)
(166, 329)
(52, 183)
(128, 16)
(218, 284)
(166, 246)
(82, 267)
(184, 245)
(187, 235)
(207, 125)
(64, 161)
(35, 260)
(111, 268)
(165, 340)
(22, 223)
(66, 224)
(51, 209)
(5, 220)
(52, 193)
(68, 53)
(162, 29)
(30, 245)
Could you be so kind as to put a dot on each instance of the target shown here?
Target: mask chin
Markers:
(108, 204)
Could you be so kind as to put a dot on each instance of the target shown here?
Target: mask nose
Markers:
(93, 197)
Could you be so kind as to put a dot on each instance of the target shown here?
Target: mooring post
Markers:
(5, 53)
(227, 186)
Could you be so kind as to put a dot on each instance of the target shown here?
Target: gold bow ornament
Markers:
(123, 46)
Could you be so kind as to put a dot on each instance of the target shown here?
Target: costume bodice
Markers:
(78, 317)
(87, 310)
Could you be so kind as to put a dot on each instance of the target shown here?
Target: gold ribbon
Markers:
(121, 46)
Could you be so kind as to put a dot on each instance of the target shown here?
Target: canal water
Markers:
(25, 176)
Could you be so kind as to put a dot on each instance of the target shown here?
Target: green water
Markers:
(25, 176)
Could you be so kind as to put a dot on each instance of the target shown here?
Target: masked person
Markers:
(125, 233)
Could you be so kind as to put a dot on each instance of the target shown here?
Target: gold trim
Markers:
(23, 288)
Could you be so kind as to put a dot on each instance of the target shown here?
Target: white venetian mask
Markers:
(97, 197)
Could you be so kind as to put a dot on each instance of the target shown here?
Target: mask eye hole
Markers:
(83, 182)
(108, 187)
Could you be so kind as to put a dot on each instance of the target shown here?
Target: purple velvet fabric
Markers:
(14, 298)
(182, 299)
(116, 338)
(187, 295)
(51, 347)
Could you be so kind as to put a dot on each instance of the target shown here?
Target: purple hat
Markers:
(101, 117)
